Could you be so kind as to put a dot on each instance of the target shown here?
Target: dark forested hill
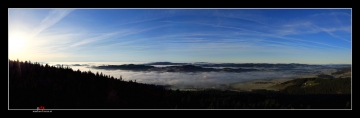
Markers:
(32, 85)
(319, 86)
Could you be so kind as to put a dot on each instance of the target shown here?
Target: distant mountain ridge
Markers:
(206, 64)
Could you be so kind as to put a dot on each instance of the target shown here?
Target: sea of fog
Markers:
(180, 79)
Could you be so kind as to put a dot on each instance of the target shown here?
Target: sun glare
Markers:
(16, 42)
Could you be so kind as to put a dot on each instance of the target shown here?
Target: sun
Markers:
(16, 42)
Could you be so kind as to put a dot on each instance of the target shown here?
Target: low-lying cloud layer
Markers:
(188, 79)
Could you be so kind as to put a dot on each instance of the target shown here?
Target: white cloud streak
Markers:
(51, 19)
(139, 21)
(309, 28)
(116, 34)
(277, 35)
(329, 31)
(331, 14)
(243, 15)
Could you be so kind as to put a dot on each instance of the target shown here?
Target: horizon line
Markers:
(199, 62)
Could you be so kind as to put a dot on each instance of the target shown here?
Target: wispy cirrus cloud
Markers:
(165, 38)
(115, 34)
(134, 22)
(331, 30)
(305, 41)
(290, 29)
(310, 28)
(51, 19)
(97, 38)
(331, 14)
(242, 14)
(282, 33)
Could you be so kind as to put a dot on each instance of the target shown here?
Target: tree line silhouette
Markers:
(58, 87)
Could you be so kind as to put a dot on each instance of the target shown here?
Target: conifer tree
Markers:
(97, 74)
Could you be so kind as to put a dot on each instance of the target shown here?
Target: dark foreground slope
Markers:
(32, 85)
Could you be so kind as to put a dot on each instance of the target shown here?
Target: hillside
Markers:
(32, 85)
(342, 72)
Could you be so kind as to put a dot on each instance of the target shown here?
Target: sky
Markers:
(220, 35)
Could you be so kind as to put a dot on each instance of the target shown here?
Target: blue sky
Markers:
(311, 36)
